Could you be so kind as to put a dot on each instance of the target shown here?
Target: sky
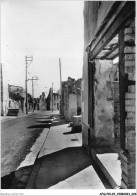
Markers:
(47, 30)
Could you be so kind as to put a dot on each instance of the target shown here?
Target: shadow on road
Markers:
(54, 168)
(47, 125)
(72, 132)
(43, 118)
(44, 121)
(58, 122)
(17, 179)
(60, 165)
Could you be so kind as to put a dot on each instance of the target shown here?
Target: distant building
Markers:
(16, 100)
(4, 93)
(42, 102)
(53, 101)
(71, 98)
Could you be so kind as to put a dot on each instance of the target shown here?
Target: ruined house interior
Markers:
(111, 92)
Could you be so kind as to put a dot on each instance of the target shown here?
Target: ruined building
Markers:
(42, 102)
(108, 86)
(53, 100)
(71, 98)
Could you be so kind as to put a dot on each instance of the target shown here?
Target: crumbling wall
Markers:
(72, 110)
(71, 98)
(128, 157)
(104, 105)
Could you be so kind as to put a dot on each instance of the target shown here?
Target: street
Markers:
(17, 137)
(62, 162)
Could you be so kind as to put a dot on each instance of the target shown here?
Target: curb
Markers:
(37, 164)
(104, 170)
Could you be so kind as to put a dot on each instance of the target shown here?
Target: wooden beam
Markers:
(122, 88)
(113, 29)
(112, 50)
(91, 71)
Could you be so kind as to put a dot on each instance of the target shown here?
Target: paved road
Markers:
(17, 137)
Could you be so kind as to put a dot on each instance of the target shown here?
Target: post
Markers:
(32, 96)
(27, 59)
(33, 78)
(52, 96)
(26, 87)
(60, 84)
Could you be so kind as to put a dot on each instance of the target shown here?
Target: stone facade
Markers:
(103, 95)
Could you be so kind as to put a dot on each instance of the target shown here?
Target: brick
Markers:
(129, 57)
(130, 69)
(130, 96)
(129, 50)
(129, 63)
(130, 143)
(130, 115)
(131, 76)
(128, 31)
(130, 109)
(131, 89)
(129, 39)
(130, 121)
(130, 102)
(129, 36)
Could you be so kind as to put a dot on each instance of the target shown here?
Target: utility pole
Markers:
(28, 61)
(52, 96)
(60, 85)
(33, 78)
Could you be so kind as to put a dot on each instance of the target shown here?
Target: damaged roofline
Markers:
(111, 28)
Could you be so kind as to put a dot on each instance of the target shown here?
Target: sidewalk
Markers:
(63, 163)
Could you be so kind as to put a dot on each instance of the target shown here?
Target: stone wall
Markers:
(72, 108)
(128, 161)
(71, 98)
(104, 107)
